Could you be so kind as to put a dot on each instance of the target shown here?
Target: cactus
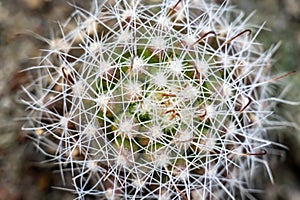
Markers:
(160, 100)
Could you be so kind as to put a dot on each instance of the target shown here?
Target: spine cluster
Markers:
(160, 100)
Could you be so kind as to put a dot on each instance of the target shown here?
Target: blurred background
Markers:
(22, 177)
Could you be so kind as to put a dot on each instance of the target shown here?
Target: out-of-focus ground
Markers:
(21, 175)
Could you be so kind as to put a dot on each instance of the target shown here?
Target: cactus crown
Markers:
(154, 101)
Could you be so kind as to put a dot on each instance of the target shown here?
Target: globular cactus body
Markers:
(161, 100)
